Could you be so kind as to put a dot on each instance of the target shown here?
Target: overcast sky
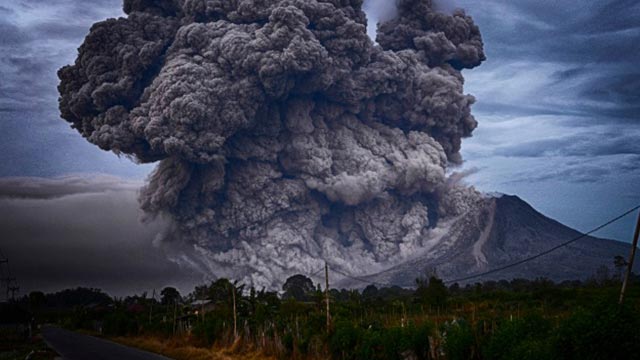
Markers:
(558, 100)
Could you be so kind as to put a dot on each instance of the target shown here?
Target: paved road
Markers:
(73, 346)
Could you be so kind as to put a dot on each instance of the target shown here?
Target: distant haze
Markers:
(74, 231)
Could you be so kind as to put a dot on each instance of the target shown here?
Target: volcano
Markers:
(498, 231)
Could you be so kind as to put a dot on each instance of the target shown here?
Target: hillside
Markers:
(501, 231)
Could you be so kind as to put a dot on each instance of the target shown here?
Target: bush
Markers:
(209, 331)
(344, 339)
(521, 339)
(459, 342)
(420, 341)
(601, 332)
(119, 324)
(395, 342)
(351, 342)
(370, 345)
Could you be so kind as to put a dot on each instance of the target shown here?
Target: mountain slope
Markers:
(499, 232)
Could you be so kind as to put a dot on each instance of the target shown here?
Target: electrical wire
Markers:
(519, 262)
(546, 252)
(317, 272)
(363, 280)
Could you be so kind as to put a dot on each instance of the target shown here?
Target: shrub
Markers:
(395, 342)
(420, 341)
(520, 339)
(209, 331)
(119, 324)
(458, 341)
(600, 332)
(344, 340)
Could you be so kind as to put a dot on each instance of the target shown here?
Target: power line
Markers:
(361, 279)
(520, 262)
(317, 272)
(502, 267)
(11, 284)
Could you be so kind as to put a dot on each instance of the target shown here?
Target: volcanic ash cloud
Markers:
(284, 135)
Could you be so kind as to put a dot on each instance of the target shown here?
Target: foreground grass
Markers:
(179, 349)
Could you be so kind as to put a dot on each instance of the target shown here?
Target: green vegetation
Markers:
(504, 320)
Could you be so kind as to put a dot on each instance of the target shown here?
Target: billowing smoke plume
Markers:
(284, 135)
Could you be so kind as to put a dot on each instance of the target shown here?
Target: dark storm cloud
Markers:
(79, 231)
(57, 31)
(12, 34)
(559, 30)
(592, 43)
(573, 170)
(50, 188)
(73, 9)
(34, 43)
(575, 145)
(31, 147)
(27, 81)
(576, 174)
(36, 38)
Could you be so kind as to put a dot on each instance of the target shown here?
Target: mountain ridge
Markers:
(500, 231)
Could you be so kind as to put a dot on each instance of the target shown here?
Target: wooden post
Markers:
(153, 298)
(175, 315)
(404, 315)
(326, 294)
(235, 318)
(634, 245)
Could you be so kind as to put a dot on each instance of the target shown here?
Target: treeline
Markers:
(518, 319)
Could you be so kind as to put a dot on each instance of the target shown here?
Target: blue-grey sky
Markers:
(557, 101)
(37, 38)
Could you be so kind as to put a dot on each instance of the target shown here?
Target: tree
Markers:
(620, 264)
(370, 292)
(225, 293)
(602, 275)
(219, 292)
(432, 292)
(170, 295)
(36, 299)
(298, 287)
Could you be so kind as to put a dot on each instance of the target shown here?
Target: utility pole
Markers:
(326, 294)
(3, 259)
(235, 316)
(153, 298)
(175, 315)
(202, 309)
(10, 289)
(10, 281)
(13, 289)
(634, 245)
(5, 279)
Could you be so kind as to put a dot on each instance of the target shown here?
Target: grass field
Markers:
(179, 349)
